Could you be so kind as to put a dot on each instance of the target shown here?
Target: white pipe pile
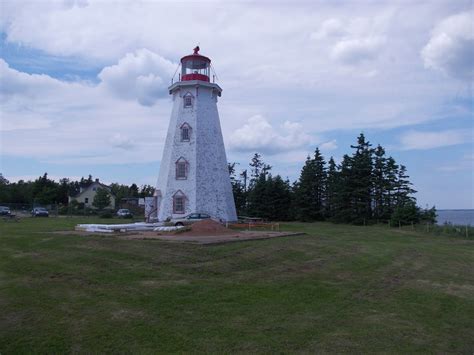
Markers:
(110, 228)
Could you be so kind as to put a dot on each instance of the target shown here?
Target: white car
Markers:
(40, 212)
(189, 219)
(123, 212)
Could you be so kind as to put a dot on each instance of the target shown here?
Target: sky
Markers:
(83, 85)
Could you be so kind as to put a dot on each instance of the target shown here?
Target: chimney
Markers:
(96, 180)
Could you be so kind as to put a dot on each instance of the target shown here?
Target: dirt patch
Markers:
(208, 227)
(451, 288)
(125, 314)
(163, 283)
(208, 238)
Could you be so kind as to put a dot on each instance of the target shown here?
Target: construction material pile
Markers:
(129, 227)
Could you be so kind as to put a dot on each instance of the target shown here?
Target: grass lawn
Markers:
(338, 289)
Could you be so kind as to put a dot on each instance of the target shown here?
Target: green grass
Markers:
(338, 289)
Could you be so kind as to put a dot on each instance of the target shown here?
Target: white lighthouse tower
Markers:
(194, 176)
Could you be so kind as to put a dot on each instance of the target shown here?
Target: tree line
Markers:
(45, 191)
(366, 187)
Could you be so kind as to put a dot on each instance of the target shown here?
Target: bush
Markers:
(106, 214)
(406, 214)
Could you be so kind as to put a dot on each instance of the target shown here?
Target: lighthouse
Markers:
(194, 176)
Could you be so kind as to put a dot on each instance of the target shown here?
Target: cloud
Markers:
(15, 83)
(329, 28)
(429, 139)
(358, 50)
(451, 47)
(142, 75)
(259, 135)
(120, 141)
(327, 146)
(465, 163)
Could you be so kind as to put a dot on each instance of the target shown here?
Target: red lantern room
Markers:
(195, 67)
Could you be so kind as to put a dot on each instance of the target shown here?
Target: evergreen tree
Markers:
(331, 189)
(319, 185)
(406, 213)
(146, 191)
(133, 191)
(391, 175)
(310, 189)
(4, 189)
(403, 188)
(238, 190)
(304, 192)
(256, 165)
(344, 209)
(379, 182)
(44, 190)
(361, 180)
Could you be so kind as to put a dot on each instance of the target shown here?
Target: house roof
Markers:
(94, 184)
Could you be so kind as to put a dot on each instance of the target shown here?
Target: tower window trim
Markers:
(185, 132)
(188, 100)
(179, 202)
(181, 169)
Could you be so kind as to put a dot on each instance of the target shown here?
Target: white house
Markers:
(86, 195)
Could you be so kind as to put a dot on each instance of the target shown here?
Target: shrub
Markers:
(106, 214)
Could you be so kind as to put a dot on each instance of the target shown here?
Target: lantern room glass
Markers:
(195, 66)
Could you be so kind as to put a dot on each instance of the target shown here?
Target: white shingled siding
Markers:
(207, 187)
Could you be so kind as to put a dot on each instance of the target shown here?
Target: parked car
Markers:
(4, 211)
(189, 219)
(124, 213)
(40, 212)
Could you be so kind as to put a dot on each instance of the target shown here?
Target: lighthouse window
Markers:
(178, 204)
(181, 169)
(185, 133)
(188, 101)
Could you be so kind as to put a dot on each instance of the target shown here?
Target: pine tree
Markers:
(361, 180)
(331, 189)
(404, 189)
(319, 185)
(379, 182)
(238, 190)
(344, 209)
(304, 192)
(256, 166)
(391, 175)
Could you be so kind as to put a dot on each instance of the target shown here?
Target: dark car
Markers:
(4, 211)
(40, 212)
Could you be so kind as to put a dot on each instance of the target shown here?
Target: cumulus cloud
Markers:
(120, 141)
(433, 139)
(451, 47)
(142, 75)
(259, 135)
(357, 50)
(329, 145)
(329, 28)
(14, 82)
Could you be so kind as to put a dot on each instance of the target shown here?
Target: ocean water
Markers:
(455, 217)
